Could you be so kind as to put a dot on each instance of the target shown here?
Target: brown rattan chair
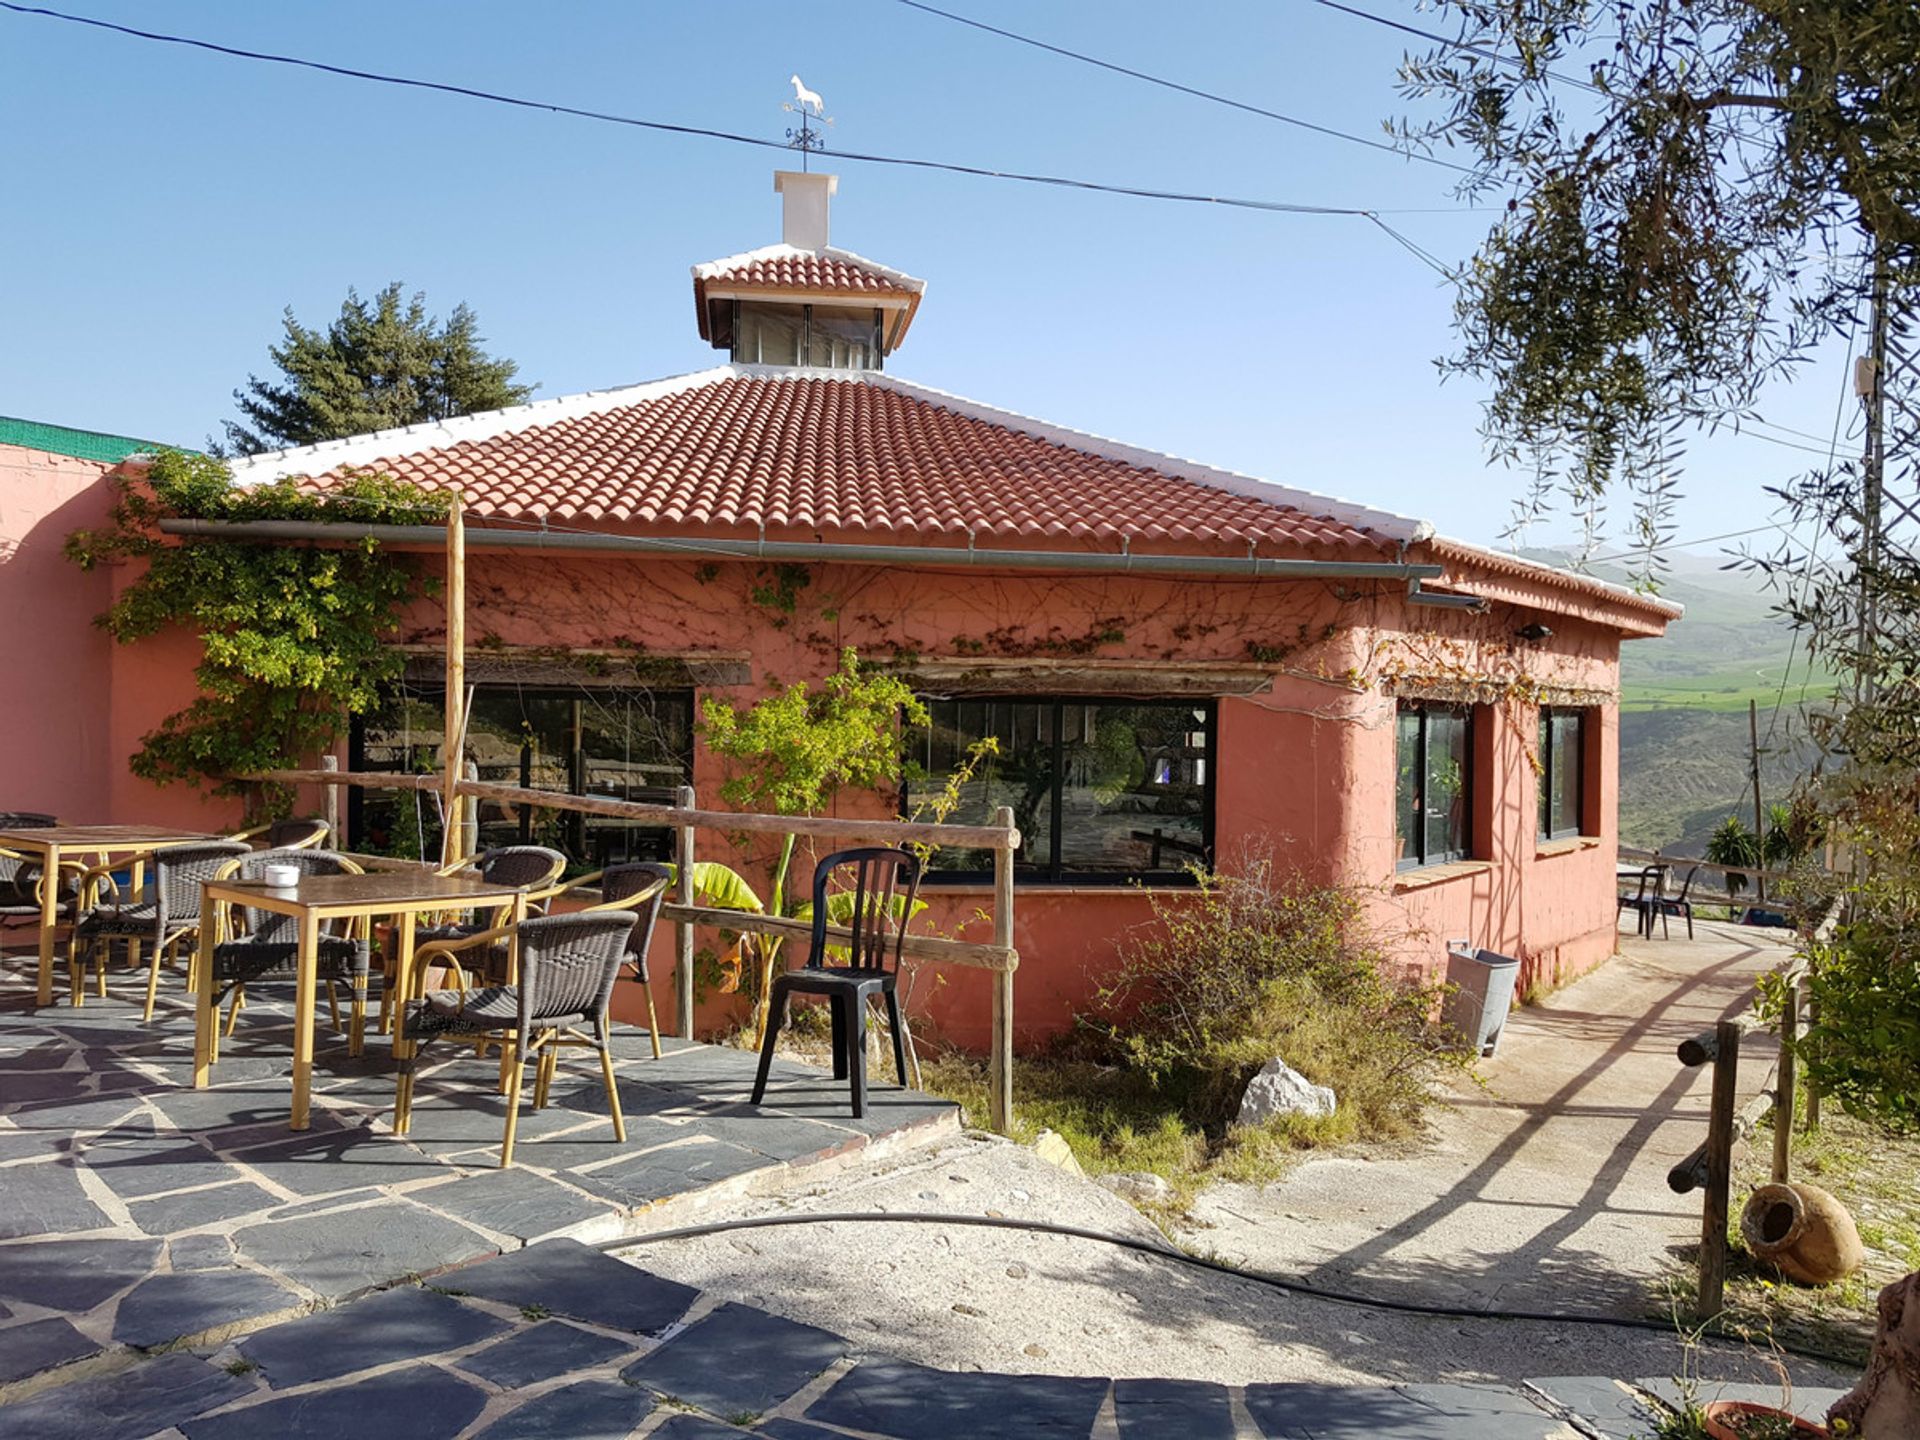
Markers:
(641, 887)
(20, 891)
(287, 834)
(533, 868)
(254, 947)
(567, 965)
(167, 915)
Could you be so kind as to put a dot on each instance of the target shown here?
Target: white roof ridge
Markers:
(1404, 529)
(712, 269)
(354, 450)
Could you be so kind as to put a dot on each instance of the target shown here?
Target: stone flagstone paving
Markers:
(138, 1214)
(561, 1341)
(177, 1264)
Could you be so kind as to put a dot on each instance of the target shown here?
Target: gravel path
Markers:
(1546, 1190)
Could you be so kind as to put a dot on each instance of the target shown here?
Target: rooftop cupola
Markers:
(803, 302)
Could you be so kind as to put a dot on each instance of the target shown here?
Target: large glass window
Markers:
(1102, 790)
(1563, 757)
(1433, 792)
(617, 744)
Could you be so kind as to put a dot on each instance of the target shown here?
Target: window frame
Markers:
(576, 768)
(1053, 873)
(1543, 820)
(1469, 787)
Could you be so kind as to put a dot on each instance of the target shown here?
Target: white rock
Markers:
(1137, 1185)
(1279, 1089)
(1051, 1148)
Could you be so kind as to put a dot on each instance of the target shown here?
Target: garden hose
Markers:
(1286, 1284)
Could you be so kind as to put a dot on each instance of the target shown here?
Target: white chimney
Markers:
(803, 222)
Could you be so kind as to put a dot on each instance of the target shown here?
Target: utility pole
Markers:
(1869, 383)
(1759, 811)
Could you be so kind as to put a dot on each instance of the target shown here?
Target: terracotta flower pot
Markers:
(1803, 1232)
(1723, 1419)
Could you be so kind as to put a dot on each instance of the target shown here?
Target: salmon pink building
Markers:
(1182, 666)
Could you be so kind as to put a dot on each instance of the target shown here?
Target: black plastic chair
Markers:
(265, 946)
(1670, 905)
(877, 917)
(567, 968)
(168, 914)
(1645, 900)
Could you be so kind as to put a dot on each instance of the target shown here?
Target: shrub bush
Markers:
(1263, 963)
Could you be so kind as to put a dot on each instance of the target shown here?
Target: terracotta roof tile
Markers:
(805, 270)
(821, 453)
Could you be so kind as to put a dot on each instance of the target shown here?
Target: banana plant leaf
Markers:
(722, 887)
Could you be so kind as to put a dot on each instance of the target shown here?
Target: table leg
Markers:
(49, 918)
(204, 1018)
(403, 1048)
(306, 983)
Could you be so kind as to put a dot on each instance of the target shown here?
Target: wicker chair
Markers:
(288, 834)
(567, 968)
(532, 868)
(639, 887)
(877, 914)
(20, 874)
(263, 947)
(168, 915)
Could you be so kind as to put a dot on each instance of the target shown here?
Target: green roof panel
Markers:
(80, 444)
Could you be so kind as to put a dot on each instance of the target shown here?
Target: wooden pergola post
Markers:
(683, 929)
(1000, 1061)
(454, 741)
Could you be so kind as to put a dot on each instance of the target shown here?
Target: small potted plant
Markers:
(1741, 1420)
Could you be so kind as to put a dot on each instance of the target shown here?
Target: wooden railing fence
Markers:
(684, 818)
(1710, 1166)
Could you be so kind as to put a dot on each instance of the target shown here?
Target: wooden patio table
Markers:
(99, 842)
(400, 893)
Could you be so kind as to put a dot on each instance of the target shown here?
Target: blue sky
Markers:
(165, 205)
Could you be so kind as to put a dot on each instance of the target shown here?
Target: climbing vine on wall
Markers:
(293, 636)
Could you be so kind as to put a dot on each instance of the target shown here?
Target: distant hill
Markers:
(1683, 704)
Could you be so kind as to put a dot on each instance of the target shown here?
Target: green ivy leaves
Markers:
(293, 636)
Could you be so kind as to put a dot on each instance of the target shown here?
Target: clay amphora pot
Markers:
(1803, 1232)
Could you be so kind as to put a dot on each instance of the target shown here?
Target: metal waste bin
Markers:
(1479, 995)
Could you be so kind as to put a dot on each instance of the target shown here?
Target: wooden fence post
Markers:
(1000, 1061)
(1783, 1095)
(330, 804)
(1813, 1090)
(1713, 1214)
(683, 931)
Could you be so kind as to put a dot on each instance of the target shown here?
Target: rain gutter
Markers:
(817, 552)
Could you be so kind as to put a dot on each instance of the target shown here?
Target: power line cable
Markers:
(1495, 56)
(703, 132)
(1183, 89)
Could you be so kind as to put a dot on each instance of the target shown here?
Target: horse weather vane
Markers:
(807, 104)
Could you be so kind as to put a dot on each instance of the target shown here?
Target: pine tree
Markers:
(378, 365)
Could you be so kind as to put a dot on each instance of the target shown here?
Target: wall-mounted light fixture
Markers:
(1535, 632)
